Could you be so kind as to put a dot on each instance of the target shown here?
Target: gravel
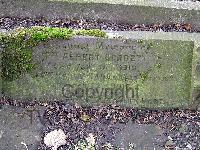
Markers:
(182, 127)
(11, 23)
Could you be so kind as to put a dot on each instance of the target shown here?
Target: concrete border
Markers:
(1, 73)
(153, 3)
(182, 36)
(147, 13)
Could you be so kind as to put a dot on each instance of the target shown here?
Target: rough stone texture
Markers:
(18, 129)
(140, 136)
(141, 73)
(0, 72)
(172, 36)
(120, 11)
(196, 92)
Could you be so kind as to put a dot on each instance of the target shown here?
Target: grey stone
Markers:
(198, 68)
(172, 36)
(148, 12)
(1, 94)
(18, 129)
(140, 136)
(196, 98)
(196, 91)
(140, 73)
(3, 31)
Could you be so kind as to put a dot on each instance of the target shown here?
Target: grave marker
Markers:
(138, 73)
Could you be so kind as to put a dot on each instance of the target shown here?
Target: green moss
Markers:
(150, 45)
(140, 41)
(147, 45)
(144, 76)
(158, 65)
(17, 54)
(94, 32)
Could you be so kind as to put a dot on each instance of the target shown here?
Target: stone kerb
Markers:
(153, 73)
(0, 72)
(146, 12)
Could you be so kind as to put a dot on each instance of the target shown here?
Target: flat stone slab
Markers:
(121, 11)
(140, 136)
(153, 3)
(19, 129)
(136, 73)
(0, 72)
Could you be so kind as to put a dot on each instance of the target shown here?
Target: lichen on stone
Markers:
(55, 139)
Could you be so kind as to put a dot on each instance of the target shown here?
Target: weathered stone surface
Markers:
(196, 91)
(140, 136)
(0, 72)
(20, 129)
(172, 36)
(152, 11)
(140, 73)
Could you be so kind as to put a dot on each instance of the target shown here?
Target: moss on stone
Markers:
(17, 53)
(94, 32)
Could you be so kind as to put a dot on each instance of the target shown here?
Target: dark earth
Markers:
(119, 126)
(8, 23)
